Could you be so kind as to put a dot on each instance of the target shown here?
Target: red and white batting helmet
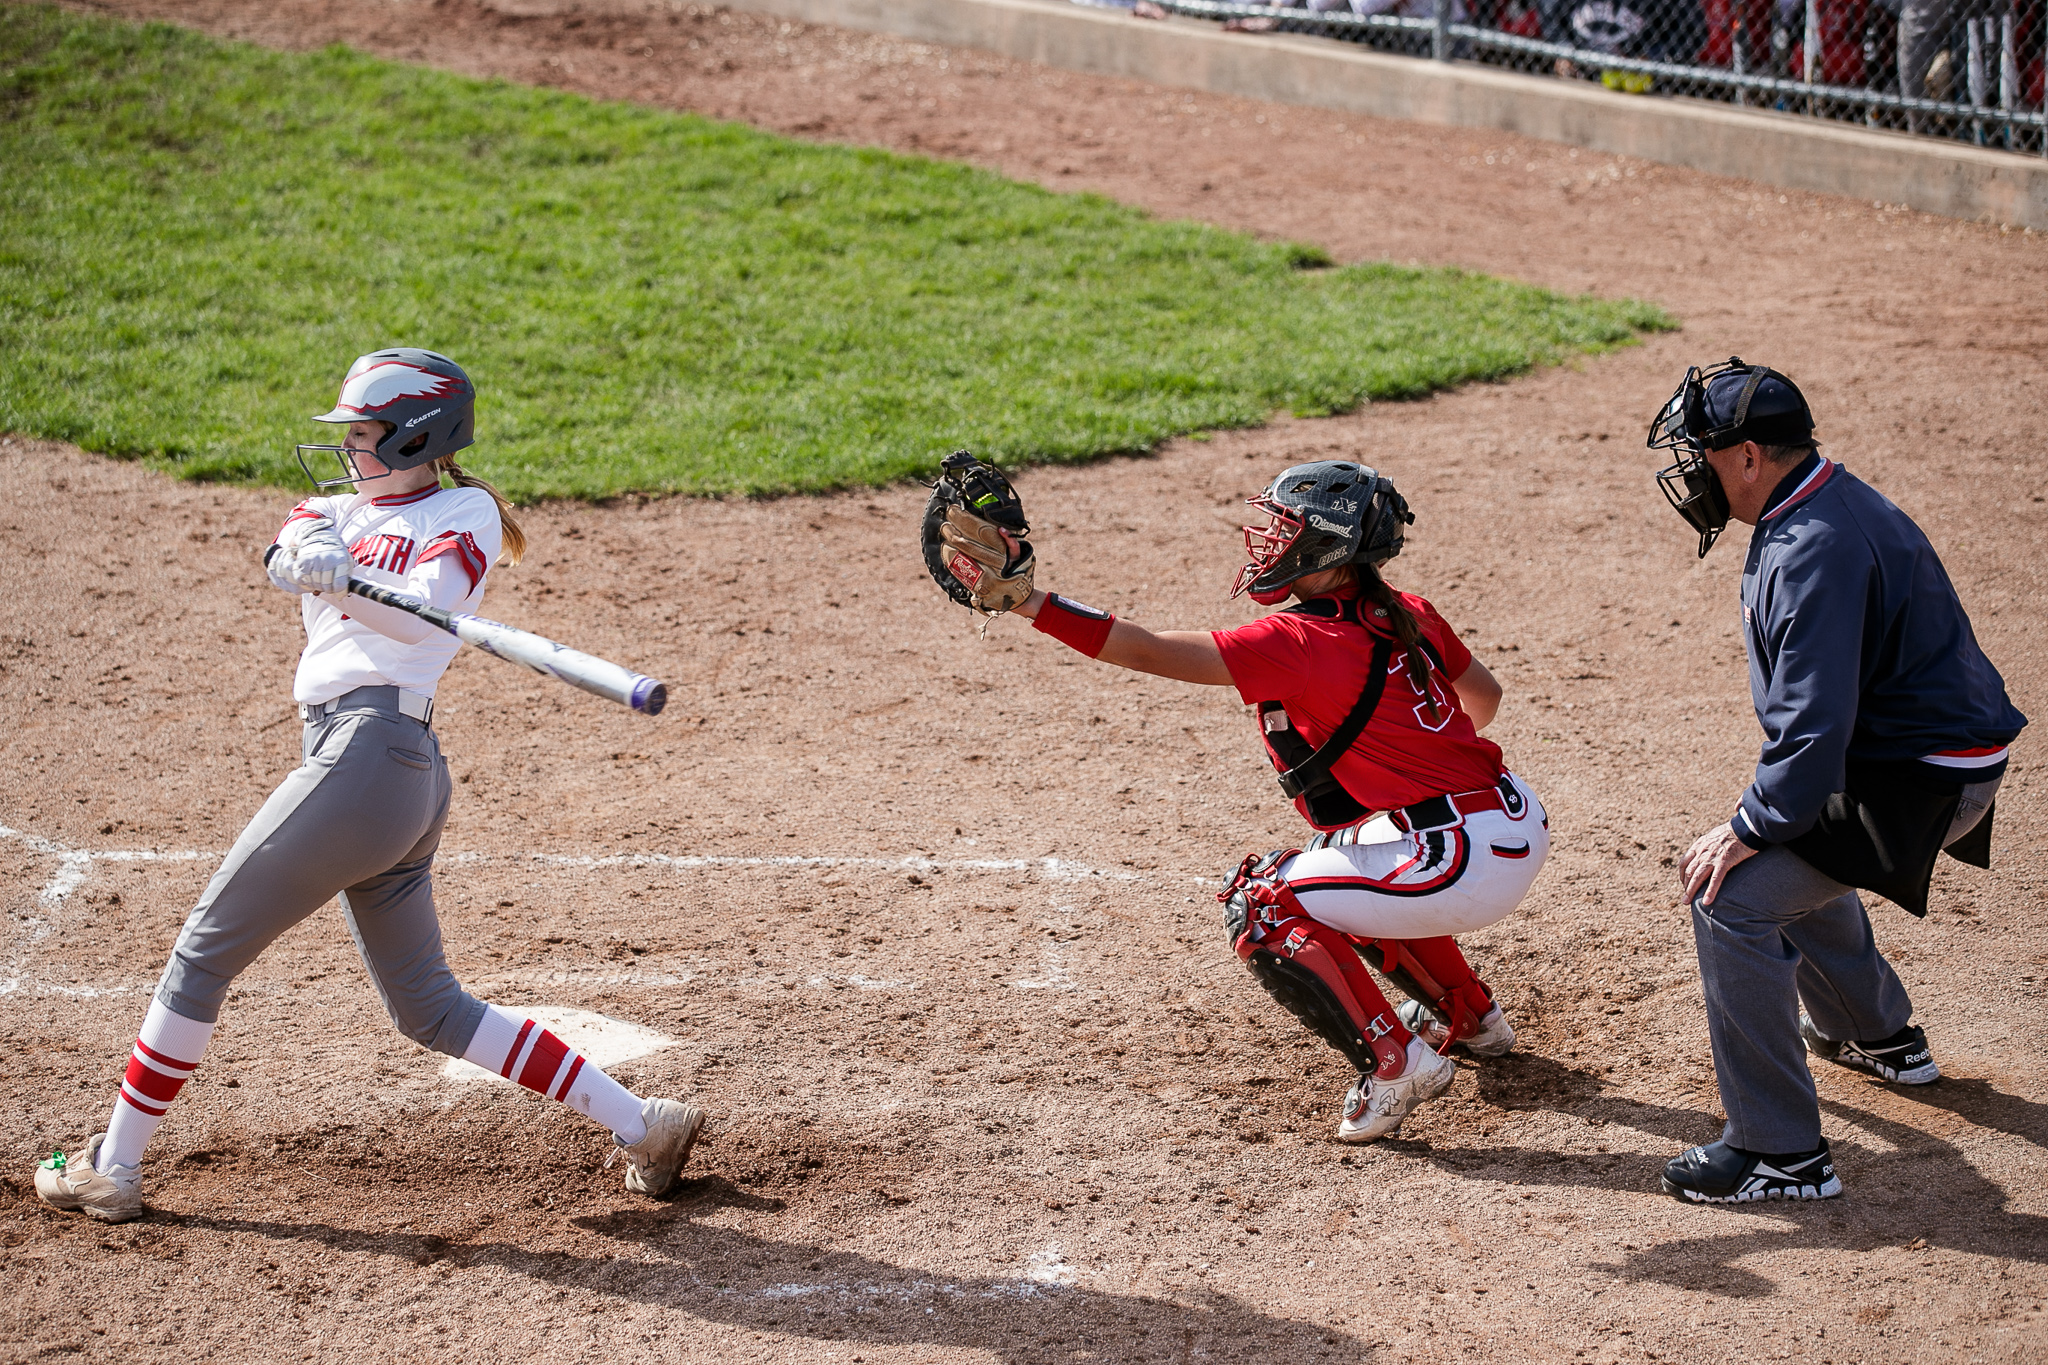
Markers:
(426, 398)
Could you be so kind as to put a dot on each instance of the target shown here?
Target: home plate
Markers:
(602, 1040)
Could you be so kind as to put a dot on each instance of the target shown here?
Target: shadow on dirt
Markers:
(1526, 1080)
(1922, 1190)
(1982, 1104)
(663, 1255)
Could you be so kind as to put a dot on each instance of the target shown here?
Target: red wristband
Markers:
(1079, 627)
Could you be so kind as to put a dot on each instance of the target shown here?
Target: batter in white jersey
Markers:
(434, 544)
(361, 818)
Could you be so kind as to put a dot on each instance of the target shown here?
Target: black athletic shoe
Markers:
(1721, 1174)
(1904, 1057)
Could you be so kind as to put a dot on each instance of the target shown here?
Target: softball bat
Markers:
(600, 677)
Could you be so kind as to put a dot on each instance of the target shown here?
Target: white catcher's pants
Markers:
(1377, 880)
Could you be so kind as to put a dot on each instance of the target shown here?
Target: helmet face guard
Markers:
(1686, 425)
(1694, 490)
(345, 460)
(1265, 546)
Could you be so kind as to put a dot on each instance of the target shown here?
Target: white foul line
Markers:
(74, 865)
(1055, 869)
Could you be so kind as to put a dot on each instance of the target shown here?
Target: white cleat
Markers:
(1495, 1037)
(653, 1162)
(1374, 1108)
(71, 1183)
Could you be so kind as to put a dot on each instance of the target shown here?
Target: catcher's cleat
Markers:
(653, 1162)
(1375, 1107)
(1721, 1174)
(69, 1183)
(1494, 1038)
(1904, 1057)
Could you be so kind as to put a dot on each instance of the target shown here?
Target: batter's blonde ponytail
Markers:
(1407, 630)
(508, 525)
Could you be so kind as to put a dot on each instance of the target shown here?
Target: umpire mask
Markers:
(1714, 408)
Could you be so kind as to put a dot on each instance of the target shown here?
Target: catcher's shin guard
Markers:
(1404, 980)
(1433, 973)
(1310, 968)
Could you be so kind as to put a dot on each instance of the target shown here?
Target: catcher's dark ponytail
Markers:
(508, 525)
(1407, 630)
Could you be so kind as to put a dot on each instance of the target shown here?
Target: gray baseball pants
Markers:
(361, 817)
(1778, 936)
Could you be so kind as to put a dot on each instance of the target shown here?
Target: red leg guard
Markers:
(1278, 925)
(1439, 966)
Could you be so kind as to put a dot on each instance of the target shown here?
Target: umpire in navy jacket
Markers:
(1885, 734)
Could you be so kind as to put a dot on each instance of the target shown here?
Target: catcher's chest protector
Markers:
(1305, 769)
(1329, 805)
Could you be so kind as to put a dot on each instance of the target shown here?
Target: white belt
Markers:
(416, 705)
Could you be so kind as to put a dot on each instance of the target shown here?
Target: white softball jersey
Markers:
(435, 545)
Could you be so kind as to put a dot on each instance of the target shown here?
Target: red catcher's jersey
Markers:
(1316, 666)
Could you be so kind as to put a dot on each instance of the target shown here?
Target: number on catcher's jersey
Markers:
(1446, 706)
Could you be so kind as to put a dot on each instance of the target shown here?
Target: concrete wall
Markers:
(1779, 149)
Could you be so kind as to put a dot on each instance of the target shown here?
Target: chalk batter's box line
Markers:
(543, 978)
(75, 864)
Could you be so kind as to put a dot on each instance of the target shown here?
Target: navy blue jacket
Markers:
(1858, 648)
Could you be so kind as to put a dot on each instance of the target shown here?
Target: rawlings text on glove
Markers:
(974, 537)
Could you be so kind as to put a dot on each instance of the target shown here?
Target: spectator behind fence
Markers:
(1923, 35)
(1404, 9)
(1840, 59)
(1654, 30)
(1932, 60)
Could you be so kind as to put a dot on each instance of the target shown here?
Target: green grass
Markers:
(196, 238)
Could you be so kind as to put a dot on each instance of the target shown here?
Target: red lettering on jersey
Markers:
(392, 554)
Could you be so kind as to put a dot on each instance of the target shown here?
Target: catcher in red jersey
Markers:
(1370, 709)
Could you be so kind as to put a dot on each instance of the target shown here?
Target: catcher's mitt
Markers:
(971, 506)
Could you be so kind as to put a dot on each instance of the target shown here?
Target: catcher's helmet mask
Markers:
(1687, 424)
(426, 402)
(1320, 516)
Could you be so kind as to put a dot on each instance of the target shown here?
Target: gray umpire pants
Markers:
(361, 817)
(1781, 935)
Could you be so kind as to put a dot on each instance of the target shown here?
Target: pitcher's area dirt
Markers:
(930, 917)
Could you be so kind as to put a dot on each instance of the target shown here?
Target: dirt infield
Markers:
(929, 918)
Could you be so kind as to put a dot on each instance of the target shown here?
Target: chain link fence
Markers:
(1968, 70)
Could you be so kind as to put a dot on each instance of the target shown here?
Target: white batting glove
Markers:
(311, 558)
(277, 563)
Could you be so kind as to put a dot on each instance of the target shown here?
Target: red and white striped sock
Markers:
(165, 1056)
(518, 1048)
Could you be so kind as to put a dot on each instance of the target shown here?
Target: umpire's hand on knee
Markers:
(1707, 863)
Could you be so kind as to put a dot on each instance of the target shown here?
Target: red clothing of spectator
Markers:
(1841, 44)
(1722, 16)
